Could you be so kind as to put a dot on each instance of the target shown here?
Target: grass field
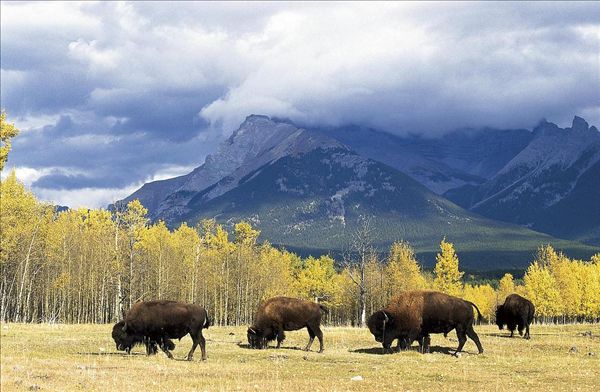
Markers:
(83, 357)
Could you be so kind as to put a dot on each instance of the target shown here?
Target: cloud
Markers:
(110, 94)
(422, 68)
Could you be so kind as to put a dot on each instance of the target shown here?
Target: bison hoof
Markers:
(190, 358)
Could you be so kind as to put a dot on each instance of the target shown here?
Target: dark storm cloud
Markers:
(110, 95)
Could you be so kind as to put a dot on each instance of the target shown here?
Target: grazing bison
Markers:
(285, 314)
(413, 315)
(126, 342)
(160, 320)
(516, 312)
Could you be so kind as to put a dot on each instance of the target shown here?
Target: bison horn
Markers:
(125, 328)
(386, 316)
(251, 330)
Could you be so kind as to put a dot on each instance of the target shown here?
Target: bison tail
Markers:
(479, 316)
(206, 322)
(324, 309)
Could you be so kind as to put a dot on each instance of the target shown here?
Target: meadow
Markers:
(60, 357)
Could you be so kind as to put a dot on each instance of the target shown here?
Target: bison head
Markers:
(257, 338)
(500, 322)
(123, 340)
(379, 323)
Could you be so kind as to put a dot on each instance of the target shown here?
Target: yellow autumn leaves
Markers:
(92, 265)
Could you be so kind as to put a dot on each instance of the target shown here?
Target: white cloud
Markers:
(29, 175)
(84, 197)
(170, 172)
(140, 74)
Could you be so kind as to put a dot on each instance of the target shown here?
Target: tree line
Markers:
(91, 265)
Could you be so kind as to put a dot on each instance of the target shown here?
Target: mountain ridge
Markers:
(313, 188)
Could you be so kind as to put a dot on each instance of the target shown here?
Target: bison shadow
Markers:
(502, 335)
(247, 347)
(432, 349)
(112, 354)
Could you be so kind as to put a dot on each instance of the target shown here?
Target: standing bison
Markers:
(158, 321)
(413, 315)
(285, 314)
(516, 312)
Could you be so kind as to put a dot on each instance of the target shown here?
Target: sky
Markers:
(111, 95)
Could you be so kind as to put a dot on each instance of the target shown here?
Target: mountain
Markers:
(308, 191)
(552, 185)
(257, 141)
(463, 157)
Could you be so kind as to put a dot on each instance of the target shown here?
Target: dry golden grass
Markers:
(83, 357)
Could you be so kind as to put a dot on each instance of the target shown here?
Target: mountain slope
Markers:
(455, 159)
(308, 190)
(553, 185)
(314, 201)
(257, 141)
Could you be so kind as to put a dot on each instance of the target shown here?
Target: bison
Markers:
(413, 315)
(516, 312)
(285, 314)
(160, 320)
(126, 342)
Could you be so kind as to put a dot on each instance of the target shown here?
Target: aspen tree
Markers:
(447, 276)
(7, 132)
(403, 271)
(506, 286)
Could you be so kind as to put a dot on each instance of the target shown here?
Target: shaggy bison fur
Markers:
(413, 315)
(516, 312)
(285, 314)
(160, 320)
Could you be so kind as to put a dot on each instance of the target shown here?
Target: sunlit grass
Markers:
(83, 357)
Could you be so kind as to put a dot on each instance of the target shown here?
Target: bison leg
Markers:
(311, 335)
(527, 331)
(150, 344)
(315, 331)
(202, 346)
(197, 339)
(462, 339)
(400, 345)
(471, 333)
(424, 342)
(320, 337)
(166, 351)
(280, 337)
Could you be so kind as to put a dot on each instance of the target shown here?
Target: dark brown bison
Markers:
(285, 314)
(516, 312)
(413, 315)
(126, 342)
(160, 320)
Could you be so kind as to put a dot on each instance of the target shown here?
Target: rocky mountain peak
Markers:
(579, 124)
